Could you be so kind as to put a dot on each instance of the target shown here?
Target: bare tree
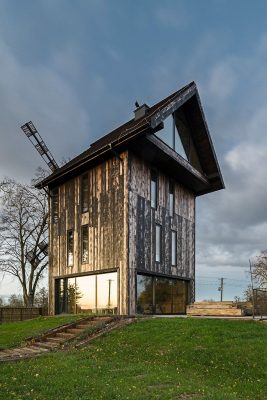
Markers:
(41, 298)
(15, 300)
(247, 295)
(23, 235)
(259, 270)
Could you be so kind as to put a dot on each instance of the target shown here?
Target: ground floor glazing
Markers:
(98, 293)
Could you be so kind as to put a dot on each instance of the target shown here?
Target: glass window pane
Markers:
(163, 296)
(84, 193)
(171, 199)
(171, 204)
(107, 292)
(166, 134)
(60, 293)
(85, 293)
(70, 248)
(179, 148)
(179, 296)
(54, 205)
(71, 296)
(174, 247)
(158, 243)
(144, 294)
(85, 244)
(153, 189)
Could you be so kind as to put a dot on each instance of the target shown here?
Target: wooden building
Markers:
(122, 214)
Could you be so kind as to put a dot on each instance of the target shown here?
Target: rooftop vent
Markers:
(140, 111)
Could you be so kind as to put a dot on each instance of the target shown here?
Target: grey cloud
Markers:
(38, 93)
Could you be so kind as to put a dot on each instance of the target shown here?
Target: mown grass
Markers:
(151, 359)
(14, 333)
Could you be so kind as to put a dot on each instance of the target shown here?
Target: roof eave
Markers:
(65, 171)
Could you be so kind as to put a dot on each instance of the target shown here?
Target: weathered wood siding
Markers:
(107, 219)
(142, 221)
(122, 227)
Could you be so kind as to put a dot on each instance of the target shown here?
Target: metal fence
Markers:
(12, 314)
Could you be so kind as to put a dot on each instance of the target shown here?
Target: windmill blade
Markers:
(37, 141)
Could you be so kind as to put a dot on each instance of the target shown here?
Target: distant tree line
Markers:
(16, 300)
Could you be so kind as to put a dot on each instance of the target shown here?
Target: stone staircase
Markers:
(57, 338)
(214, 308)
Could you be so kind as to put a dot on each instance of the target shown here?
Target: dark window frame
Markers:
(55, 205)
(153, 180)
(171, 194)
(84, 193)
(62, 298)
(172, 280)
(84, 228)
(70, 231)
(174, 244)
(158, 241)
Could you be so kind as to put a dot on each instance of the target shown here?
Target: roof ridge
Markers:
(159, 104)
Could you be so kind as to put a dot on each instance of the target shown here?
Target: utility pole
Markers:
(109, 291)
(220, 288)
(252, 289)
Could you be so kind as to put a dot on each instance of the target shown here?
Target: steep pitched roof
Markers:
(150, 123)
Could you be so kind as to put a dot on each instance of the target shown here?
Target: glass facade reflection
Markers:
(153, 189)
(144, 294)
(158, 295)
(88, 294)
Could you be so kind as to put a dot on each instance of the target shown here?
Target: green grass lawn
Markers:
(12, 334)
(151, 359)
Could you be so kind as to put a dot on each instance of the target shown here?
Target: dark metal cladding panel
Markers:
(153, 241)
(140, 233)
(143, 220)
(180, 245)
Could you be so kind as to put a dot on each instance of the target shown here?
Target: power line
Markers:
(216, 277)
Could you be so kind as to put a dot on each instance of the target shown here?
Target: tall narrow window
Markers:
(174, 248)
(158, 243)
(171, 199)
(85, 244)
(153, 189)
(54, 205)
(84, 193)
(70, 248)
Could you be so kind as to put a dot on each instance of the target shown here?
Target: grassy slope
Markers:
(13, 333)
(154, 359)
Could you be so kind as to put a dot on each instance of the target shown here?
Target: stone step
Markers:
(5, 354)
(38, 348)
(214, 302)
(22, 351)
(233, 312)
(7, 351)
(55, 339)
(84, 326)
(47, 345)
(215, 306)
(14, 353)
(33, 350)
(74, 331)
(64, 335)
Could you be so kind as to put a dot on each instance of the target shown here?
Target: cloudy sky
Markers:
(76, 68)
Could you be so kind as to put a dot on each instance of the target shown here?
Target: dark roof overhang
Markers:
(161, 156)
(92, 158)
